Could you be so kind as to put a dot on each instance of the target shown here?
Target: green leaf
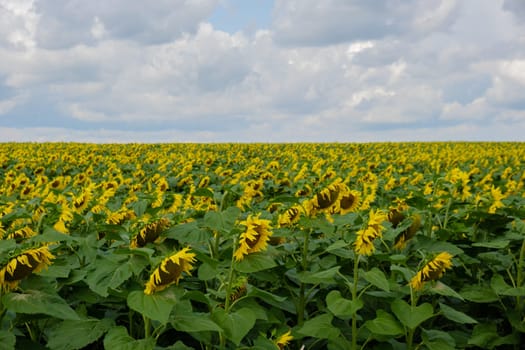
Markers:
(7, 245)
(501, 287)
(207, 271)
(454, 315)
(411, 316)
(484, 335)
(442, 289)
(222, 221)
(7, 340)
(320, 327)
(377, 278)
(496, 244)
(341, 307)
(72, 335)
(325, 276)
(188, 233)
(384, 324)
(37, 302)
(156, 306)
(235, 324)
(479, 294)
(52, 235)
(434, 246)
(195, 322)
(118, 339)
(107, 273)
(438, 340)
(255, 262)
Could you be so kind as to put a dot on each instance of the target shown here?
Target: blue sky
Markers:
(262, 70)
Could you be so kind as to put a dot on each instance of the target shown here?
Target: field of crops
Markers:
(262, 246)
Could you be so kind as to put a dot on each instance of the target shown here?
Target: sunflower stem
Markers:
(230, 279)
(147, 327)
(354, 298)
(520, 277)
(302, 288)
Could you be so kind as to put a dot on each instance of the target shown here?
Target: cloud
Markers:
(66, 23)
(399, 68)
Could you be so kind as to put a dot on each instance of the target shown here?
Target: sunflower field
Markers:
(262, 246)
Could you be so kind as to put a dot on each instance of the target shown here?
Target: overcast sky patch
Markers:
(263, 70)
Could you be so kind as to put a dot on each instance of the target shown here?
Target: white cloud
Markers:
(395, 67)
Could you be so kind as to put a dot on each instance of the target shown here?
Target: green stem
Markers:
(147, 327)
(520, 277)
(354, 298)
(445, 221)
(302, 289)
(230, 278)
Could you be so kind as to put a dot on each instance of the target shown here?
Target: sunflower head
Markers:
(149, 233)
(24, 264)
(255, 238)
(433, 270)
(170, 271)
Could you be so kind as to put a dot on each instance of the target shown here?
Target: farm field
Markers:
(262, 246)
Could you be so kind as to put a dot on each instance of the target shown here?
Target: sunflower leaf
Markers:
(80, 333)
(37, 302)
(156, 306)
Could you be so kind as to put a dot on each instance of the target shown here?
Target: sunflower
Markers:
(149, 233)
(21, 266)
(290, 216)
(432, 270)
(349, 202)
(283, 340)
(364, 243)
(402, 239)
(170, 271)
(255, 238)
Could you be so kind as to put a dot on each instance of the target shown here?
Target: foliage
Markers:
(339, 246)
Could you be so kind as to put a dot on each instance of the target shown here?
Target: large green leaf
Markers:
(411, 316)
(341, 307)
(324, 276)
(7, 340)
(222, 221)
(320, 327)
(501, 287)
(479, 294)
(377, 278)
(384, 324)
(118, 339)
(76, 334)
(188, 233)
(255, 262)
(157, 306)
(194, 322)
(454, 315)
(438, 340)
(107, 273)
(442, 289)
(37, 302)
(234, 324)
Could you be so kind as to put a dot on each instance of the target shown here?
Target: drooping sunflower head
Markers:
(433, 270)
(349, 202)
(290, 216)
(255, 238)
(326, 197)
(283, 340)
(170, 271)
(24, 264)
(149, 233)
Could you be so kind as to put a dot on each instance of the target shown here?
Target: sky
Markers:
(262, 70)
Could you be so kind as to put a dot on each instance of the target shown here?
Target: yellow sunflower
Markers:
(170, 271)
(24, 264)
(255, 238)
(432, 270)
